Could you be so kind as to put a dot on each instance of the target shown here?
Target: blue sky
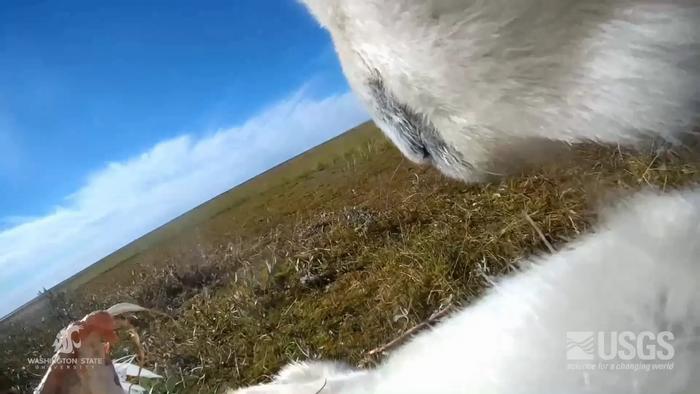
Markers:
(118, 116)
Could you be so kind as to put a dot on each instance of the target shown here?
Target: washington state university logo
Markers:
(580, 345)
(65, 344)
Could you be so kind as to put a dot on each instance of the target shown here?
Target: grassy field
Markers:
(331, 255)
(281, 175)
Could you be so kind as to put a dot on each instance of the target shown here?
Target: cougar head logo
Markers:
(65, 342)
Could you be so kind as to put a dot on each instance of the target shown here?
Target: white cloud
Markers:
(125, 200)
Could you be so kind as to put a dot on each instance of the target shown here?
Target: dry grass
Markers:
(340, 259)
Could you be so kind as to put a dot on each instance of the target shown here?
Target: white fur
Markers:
(493, 75)
(640, 271)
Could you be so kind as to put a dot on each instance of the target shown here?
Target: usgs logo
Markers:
(619, 346)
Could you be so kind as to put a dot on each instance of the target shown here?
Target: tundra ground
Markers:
(331, 255)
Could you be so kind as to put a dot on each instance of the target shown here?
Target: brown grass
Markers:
(339, 259)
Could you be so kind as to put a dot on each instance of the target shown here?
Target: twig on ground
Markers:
(434, 318)
(540, 233)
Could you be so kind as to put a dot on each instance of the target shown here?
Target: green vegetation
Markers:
(331, 255)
